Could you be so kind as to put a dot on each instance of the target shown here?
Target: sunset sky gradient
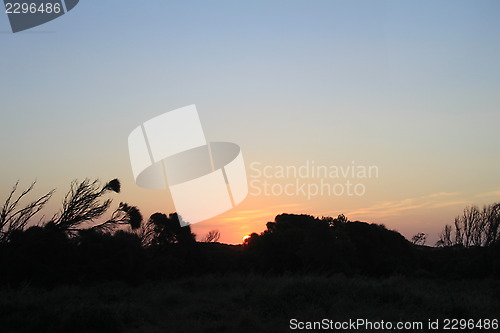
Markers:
(412, 87)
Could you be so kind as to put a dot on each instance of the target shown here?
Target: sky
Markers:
(410, 87)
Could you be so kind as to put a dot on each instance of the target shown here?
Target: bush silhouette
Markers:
(304, 243)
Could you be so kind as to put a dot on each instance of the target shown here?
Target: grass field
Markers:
(242, 303)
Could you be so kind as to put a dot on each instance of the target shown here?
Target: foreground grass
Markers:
(242, 303)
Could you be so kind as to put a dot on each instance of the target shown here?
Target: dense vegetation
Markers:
(78, 246)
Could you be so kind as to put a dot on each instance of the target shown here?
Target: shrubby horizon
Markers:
(77, 246)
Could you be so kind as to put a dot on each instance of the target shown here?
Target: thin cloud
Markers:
(395, 208)
(450, 203)
(489, 194)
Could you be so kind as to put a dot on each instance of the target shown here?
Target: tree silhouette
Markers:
(13, 218)
(123, 215)
(168, 230)
(83, 204)
(445, 237)
(305, 243)
(419, 239)
(491, 215)
(474, 228)
(211, 237)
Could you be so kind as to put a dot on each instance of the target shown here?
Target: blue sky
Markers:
(411, 86)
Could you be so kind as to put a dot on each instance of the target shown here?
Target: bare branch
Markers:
(211, 237)
(12, 218)
(82, 204)
(123, 215)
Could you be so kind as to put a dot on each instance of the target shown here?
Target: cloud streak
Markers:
(398, 207)
(489, 194)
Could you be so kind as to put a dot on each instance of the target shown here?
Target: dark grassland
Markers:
(242, 303)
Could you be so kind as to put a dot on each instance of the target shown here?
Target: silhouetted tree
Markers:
(307, 244)
(145, 233)
(168, 230)
(474, 227)
(123, 215)
(419, 239)
(83, 204)
(13, 218)
(445, 237)
(491, 214)
(211, 237)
